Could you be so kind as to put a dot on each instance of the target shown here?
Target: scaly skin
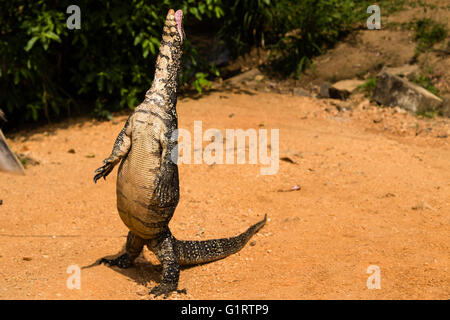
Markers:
(147, 181)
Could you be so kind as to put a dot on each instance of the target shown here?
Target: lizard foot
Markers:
(123, 261)
(104, 170)
(165, 290)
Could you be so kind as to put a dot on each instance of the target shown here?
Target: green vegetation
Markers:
(425, 82)
(368, 87)
(427, 33)
(320, 25)
(429, 114)
(48, 71)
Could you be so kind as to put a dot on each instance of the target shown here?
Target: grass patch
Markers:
(368, 87)
(425, 82)
(427, 33)
(429, 114)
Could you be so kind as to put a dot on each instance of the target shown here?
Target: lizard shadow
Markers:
(142, 271)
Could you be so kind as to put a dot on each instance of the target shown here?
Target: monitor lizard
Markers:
(147, 182)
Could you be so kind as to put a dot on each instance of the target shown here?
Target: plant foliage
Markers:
(48, 71)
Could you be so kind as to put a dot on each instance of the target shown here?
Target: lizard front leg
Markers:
(120, 150)
(166, 181)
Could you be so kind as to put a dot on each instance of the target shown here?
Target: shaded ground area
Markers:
(375, 189)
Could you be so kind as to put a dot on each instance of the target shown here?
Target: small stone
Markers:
(251, 74)
(259, 77)
(253, 243)
(71, 151)
(324, 91)
(299, 92)
(389, 195)
(342, 89)
(363, 105)
(27, 258)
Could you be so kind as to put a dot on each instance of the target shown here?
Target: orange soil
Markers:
(372, 193)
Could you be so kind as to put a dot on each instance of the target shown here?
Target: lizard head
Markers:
(174, 27)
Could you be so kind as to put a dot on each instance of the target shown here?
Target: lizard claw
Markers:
(165, 290)
(103, 171)
(122, 262)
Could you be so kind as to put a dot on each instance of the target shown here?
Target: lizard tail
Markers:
(197, 252)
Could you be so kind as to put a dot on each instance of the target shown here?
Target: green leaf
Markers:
(53, 36)
(30, 43)
(16, 78)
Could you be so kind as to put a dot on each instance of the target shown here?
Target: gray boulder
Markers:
(392, 90)
(245, 76)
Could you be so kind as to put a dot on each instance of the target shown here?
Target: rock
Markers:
(284, 91)
(404, 71)
(287, 159)
(259, 78)
(393, 91)
(299, 92)
(342, 89)
(245, 76)
(324, 91)
(446, 108)
(365, 104)
(341, 105)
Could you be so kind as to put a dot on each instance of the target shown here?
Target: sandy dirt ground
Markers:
(374, 190)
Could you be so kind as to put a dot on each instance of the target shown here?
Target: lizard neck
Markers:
(163, 91)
